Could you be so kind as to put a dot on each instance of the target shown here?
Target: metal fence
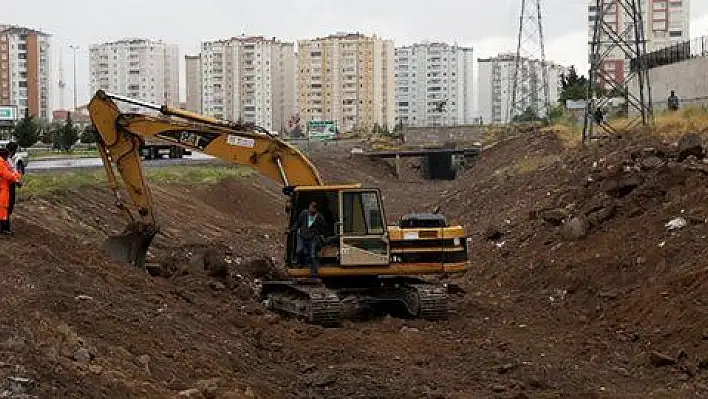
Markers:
(695, 48)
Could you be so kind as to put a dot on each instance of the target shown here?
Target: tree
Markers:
(556, 113)
(529, 115)
(27, 131)
(66, 135)
(88, 135)
(573, 87)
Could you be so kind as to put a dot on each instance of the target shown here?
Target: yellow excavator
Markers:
(365, 264)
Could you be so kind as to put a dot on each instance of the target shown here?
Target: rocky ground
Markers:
(588, 281)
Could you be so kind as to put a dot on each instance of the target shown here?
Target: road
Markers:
(90, 163)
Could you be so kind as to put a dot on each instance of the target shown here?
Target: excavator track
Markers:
(314, 303)
(428, 301)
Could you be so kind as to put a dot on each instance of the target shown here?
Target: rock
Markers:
(658, 359)
(20, 385)
(555, 217)
(601, 215)
(82, 356)
(322, 380)
(624, 187)
(271, 318)
(215, 264)
(95, 369)
(190, 393)
(505, 368)
(690, 145)
(244, 292)
(493, 234)
(681, 354)
(406, 329)
(209, 387)
(308, 368)
(652, 162)
(144, 361)
(155, 270)
(498, 388)
(217, 285)
(249, 393)
(575, 229)
(676, 223)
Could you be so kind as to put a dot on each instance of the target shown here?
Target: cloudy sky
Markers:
(489, 26)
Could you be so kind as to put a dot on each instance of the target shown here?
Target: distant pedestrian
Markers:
(8, 176)
(599, 116)
(673, 102)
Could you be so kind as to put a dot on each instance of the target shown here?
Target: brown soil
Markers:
(576, 282)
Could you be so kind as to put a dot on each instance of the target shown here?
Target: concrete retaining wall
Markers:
(687, 78)
(442, 134)
(316, 146)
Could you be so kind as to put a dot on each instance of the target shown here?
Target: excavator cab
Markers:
(356, 226)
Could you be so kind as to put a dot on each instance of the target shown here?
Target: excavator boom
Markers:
(120, 136)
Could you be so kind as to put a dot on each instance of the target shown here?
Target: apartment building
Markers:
(249, 78)
(429, 75)
(347, 78)
(138, 68)
(666, 22)
(193, 75)
(496, 82)
(25, 70)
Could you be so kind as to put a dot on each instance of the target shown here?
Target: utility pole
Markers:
(74, 48)
(618, 58)
(528, 88)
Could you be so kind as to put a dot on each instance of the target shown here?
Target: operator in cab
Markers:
(310, 228)
(8, 177)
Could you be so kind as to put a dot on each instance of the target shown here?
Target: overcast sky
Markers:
(490, 26)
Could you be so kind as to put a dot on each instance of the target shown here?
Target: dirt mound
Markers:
(607, 240)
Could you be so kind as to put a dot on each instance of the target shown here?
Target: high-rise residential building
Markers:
(25, 70)
(665, 22)
(138, 68)
(193, 74)
(434, 85)
(496, 82)
(347, 78)
(249, 78)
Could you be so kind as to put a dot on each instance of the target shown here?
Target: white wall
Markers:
(688, 78)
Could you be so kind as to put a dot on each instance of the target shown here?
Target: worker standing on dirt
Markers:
(8, 176)
(310, 228)
(12, 147)
(673, 102)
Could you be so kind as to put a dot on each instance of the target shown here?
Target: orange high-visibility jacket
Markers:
(7, 176)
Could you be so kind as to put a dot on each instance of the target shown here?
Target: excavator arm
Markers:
(120, 136)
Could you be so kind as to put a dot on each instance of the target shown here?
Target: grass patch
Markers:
(530, 164)
(49, 183)
(52, 154)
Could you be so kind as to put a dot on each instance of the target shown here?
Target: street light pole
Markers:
(74, 48)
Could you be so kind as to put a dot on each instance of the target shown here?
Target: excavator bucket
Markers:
(130, 246)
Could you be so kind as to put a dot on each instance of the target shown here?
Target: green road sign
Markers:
(322, 130)
(8, 113)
